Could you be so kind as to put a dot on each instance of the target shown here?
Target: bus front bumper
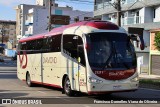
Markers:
(112, 88)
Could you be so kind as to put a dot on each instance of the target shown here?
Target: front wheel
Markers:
(28, 80)
(67, 87)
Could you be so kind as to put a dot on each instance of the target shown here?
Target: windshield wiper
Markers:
(116, 58)
(115, 53)
(107, 62)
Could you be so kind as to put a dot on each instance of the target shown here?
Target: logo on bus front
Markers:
(23, 60)
(115, 74)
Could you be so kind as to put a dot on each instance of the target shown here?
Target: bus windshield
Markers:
(110, 51)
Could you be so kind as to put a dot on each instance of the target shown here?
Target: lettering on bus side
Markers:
(99, 72)
(49, 59)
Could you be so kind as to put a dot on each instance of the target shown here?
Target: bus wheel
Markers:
(28, 80)
(67, 87)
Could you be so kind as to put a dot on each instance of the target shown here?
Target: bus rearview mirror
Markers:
(138, 38)
(79, 59)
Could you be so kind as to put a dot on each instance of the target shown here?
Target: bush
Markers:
(157, 40)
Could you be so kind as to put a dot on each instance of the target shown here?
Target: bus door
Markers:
(75, 61)
(81, 66)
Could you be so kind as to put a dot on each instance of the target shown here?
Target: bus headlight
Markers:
(94, 80)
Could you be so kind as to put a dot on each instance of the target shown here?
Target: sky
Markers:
(7, 11)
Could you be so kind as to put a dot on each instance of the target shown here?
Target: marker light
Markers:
(135, 79)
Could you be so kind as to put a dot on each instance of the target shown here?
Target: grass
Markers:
(150, 83)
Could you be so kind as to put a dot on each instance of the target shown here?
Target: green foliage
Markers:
(150, 81)
(157, 40)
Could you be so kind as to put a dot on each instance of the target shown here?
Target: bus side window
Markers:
(23, 47)
(45, 47)
(55, 43)
(73, 47)
(81, 51)
(19, 47)
(70, 46)
(39, 45)
(31, 45)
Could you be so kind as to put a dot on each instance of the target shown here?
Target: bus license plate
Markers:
(117, 87)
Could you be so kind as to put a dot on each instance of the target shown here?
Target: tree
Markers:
(157, 40)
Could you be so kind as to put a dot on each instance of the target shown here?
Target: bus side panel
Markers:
(30, 63)
(51, 65)
(20, 71)
(34, 67)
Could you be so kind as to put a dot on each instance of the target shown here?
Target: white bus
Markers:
(94, 57)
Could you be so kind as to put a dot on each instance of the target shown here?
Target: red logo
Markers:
(23, 60)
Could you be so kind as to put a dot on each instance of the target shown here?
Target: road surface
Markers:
(11, 87)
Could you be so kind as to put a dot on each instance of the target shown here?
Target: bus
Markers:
(93, 57)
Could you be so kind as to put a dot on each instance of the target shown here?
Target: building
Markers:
(135, 13)
(8, 30)
(154, 54)
(33, 19)
(21, 11)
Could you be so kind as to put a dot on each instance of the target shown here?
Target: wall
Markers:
(75, 13)
(142, 15)
(10, 33)
(146, 37)
(130, 1)
(40, 21)
(153, 47)
(24, 9)
(153, 50)
(142, 61)
(148, 15)
(105, 17)
(157, 18)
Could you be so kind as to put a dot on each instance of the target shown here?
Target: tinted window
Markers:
(52, 44)
(31, 46)
(39, 44)
(73, 47)
(48, 44)
(110, 50)
(55, 43)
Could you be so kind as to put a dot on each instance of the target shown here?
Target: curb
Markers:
(8, 68)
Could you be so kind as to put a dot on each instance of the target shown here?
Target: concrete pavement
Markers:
(155, 77)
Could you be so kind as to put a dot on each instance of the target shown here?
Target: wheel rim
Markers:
(28, 79)
(67, 86)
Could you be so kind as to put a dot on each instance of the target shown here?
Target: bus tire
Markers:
(28, 80)
(67, 87)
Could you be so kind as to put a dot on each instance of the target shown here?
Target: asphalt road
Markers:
(13, 88)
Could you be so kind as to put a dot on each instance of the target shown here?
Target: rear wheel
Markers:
(67, 87)
(28, 80)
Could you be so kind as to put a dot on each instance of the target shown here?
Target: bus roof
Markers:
(103, 25)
